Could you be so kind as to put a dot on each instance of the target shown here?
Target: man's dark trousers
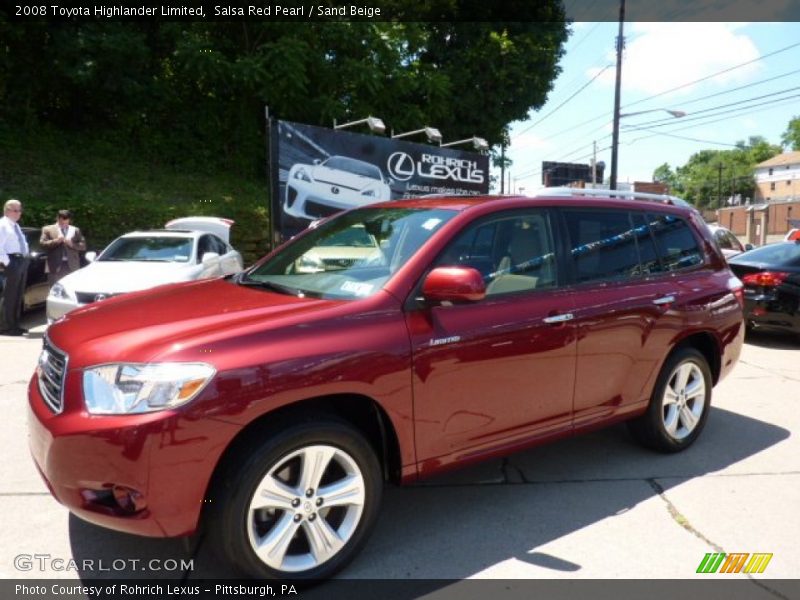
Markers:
(15, 276)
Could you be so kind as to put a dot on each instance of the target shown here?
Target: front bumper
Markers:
(141, 474)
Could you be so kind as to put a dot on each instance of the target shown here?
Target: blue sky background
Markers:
(658, 58)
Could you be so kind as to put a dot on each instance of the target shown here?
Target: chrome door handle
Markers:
(559, 318)
(664, 300)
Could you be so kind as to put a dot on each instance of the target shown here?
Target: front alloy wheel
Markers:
(297, 502)
(306, 508)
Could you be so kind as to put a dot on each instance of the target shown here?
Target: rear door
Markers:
(622, 309)
(496, 373)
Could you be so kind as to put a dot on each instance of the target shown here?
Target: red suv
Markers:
(388, 343)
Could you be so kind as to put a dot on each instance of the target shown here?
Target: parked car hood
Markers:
(170, 321)
(118, 277)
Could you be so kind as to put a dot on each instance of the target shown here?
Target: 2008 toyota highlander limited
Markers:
(272, 405)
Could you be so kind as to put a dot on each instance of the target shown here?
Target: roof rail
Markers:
(568, 191)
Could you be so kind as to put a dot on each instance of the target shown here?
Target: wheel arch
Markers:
(708, 345)
(362, 412)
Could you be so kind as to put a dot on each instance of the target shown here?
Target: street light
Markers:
(675, 113)
(434, 135)
(612, 182)
(374, 123)
(477, 142)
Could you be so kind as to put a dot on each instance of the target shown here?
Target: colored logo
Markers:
(741, 562)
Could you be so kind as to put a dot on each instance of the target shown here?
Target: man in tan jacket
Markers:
(63, 243)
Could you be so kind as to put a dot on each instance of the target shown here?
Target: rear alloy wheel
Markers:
(303, 503)
(679, 406)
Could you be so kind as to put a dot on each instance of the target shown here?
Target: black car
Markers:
(36, 287)
(771, 277)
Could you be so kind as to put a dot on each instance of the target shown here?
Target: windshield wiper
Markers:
(269, 285)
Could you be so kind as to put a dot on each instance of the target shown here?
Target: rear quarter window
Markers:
(675, 242)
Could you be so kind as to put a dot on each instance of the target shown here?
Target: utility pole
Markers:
(594, 163)
(503, 168)
(617, 87)
(719, 187)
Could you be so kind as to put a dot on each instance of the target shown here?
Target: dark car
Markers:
(36, 287)
(771, 278)
(273, 405)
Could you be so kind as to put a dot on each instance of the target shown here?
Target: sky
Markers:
(659, 57)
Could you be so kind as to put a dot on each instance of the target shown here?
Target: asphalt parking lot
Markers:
(597, 506)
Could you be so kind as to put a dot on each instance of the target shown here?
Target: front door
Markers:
(499, 373)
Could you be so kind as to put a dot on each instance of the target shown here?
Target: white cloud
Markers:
(661, 56)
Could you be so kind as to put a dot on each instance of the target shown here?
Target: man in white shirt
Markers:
(14, 259)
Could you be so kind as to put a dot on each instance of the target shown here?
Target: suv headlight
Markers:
(60, 292)
(121, 389)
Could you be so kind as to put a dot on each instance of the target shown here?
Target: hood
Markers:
(118, 277)
(323, 174)
(149, 325)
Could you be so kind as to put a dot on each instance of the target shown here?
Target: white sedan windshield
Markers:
(149, 249)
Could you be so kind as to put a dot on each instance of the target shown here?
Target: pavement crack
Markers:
(777, 374)
(681, 520)
(507, 469)
(678, 517)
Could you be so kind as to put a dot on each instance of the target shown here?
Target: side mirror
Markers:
(90, 256)
(454, 284)
(317, 161)
(748, 247)
(209, 257)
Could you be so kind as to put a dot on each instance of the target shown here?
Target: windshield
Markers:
(353, 166)
(350, 256)
(149, 249)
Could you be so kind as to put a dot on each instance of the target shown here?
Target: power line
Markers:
(728, 70)
(587, 84)
(693, 117)
(681, 137)
(607, 114)
(743, 112)
(716, 114)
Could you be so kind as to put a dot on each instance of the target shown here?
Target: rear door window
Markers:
(603, 244)
(675, 242)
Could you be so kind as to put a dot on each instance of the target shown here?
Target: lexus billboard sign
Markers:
(317, 172)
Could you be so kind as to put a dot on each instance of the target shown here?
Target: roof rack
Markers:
(568, 191)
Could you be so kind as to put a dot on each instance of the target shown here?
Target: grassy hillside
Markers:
(112, 189)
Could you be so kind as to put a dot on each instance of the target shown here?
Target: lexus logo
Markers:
(334, 190)
(400, 166)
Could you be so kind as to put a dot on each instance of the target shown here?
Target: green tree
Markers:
(711, 176)
(192, 94)
(791, 137)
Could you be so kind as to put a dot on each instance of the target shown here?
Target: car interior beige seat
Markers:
(523, 264)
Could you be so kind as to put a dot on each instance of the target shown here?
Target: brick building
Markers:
(777, 200)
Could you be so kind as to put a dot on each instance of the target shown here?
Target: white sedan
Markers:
(187, 249)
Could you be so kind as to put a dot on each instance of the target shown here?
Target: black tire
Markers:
(664, 426)
(280, 459)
